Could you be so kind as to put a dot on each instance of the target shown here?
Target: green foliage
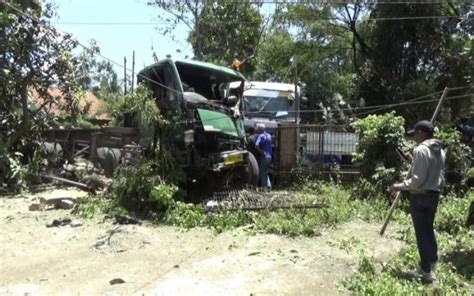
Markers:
(132, 106)
(457, 155)
(18, 171)
(470, 173)
(392, 67)
(185, 215)
(365, 190)
(452, 214)
(162, 196)
(37, 56)
(95, 206)
(150, 186)
(142, 190)
(291, 222)
(379, 138)
(454, 270)
(226, 31)
(324, 61)
(348, 244)
(218, 31)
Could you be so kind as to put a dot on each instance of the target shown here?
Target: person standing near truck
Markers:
(251, 140)
(424, 184)
(263, 144)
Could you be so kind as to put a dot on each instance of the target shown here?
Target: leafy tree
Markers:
(376, 53)
(95, 75)
(412, 56)
(106, 79)
(34, 56)
(323, 53)
(218, 31)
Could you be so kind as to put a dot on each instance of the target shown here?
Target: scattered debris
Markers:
(104, 241)
(73, 183)
(36, 207)
(65, 203)
(116, 281)
(254, 199)
(96, 182)
(123, 220)
(64, 222)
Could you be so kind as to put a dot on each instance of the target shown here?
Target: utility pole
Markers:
(133, 72)
(125, 75)
(294, 65)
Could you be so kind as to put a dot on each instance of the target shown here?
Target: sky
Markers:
(119, 40)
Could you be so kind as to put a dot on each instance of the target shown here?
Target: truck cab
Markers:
(213, 139)
(269, 103)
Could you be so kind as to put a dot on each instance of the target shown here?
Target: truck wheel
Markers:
(101, 153)
(252, 170)
(111, 162)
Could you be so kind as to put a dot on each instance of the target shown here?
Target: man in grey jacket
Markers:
(424, 182)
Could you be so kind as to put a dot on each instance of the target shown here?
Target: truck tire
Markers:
(51, 148)
(101, 153)
(252, 170)
(111, 162)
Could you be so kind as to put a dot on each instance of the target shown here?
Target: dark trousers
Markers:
(264, 166)
(423, 209)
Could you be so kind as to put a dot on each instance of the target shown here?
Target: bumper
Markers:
(228, 159)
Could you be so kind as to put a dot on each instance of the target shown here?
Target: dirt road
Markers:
(160, 260)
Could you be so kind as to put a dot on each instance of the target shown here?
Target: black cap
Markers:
(423, 126)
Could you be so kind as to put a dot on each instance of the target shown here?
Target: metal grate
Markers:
(254, 199)
(323, 152)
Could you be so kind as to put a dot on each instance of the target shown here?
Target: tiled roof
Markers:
(96, 109)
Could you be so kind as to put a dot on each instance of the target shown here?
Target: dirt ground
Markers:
(161, 260)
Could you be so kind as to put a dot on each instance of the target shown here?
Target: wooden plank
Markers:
(287, 146)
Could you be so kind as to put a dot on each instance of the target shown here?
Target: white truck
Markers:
(269, 103)
(273, 103)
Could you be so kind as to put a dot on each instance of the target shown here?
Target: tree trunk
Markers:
(24, 127)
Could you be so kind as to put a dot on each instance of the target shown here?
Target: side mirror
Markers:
(281, 113)
(231, 100)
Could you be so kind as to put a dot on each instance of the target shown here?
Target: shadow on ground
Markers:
(463, 261)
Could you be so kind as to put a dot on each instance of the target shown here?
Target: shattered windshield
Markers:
(264, 102)
(266, 105)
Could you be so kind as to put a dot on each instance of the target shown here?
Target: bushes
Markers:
(18, 171)
(379, 138)
(454, 268)
(377, 157)
(457, 157)
(381, 165)
(142, 190)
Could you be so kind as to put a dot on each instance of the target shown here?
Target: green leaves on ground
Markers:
(454, 271)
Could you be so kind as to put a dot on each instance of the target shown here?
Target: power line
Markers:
(381, 107)
(402, 18)
(335, 2)
(414, 103)
(386, 106)
(98, 54)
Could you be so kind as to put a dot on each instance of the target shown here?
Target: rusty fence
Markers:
(316, 150)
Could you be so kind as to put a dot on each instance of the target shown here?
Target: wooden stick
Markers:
(397, 197)
(390, 212)
(73, 183)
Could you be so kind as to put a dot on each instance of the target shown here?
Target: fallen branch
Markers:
(73, 183)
